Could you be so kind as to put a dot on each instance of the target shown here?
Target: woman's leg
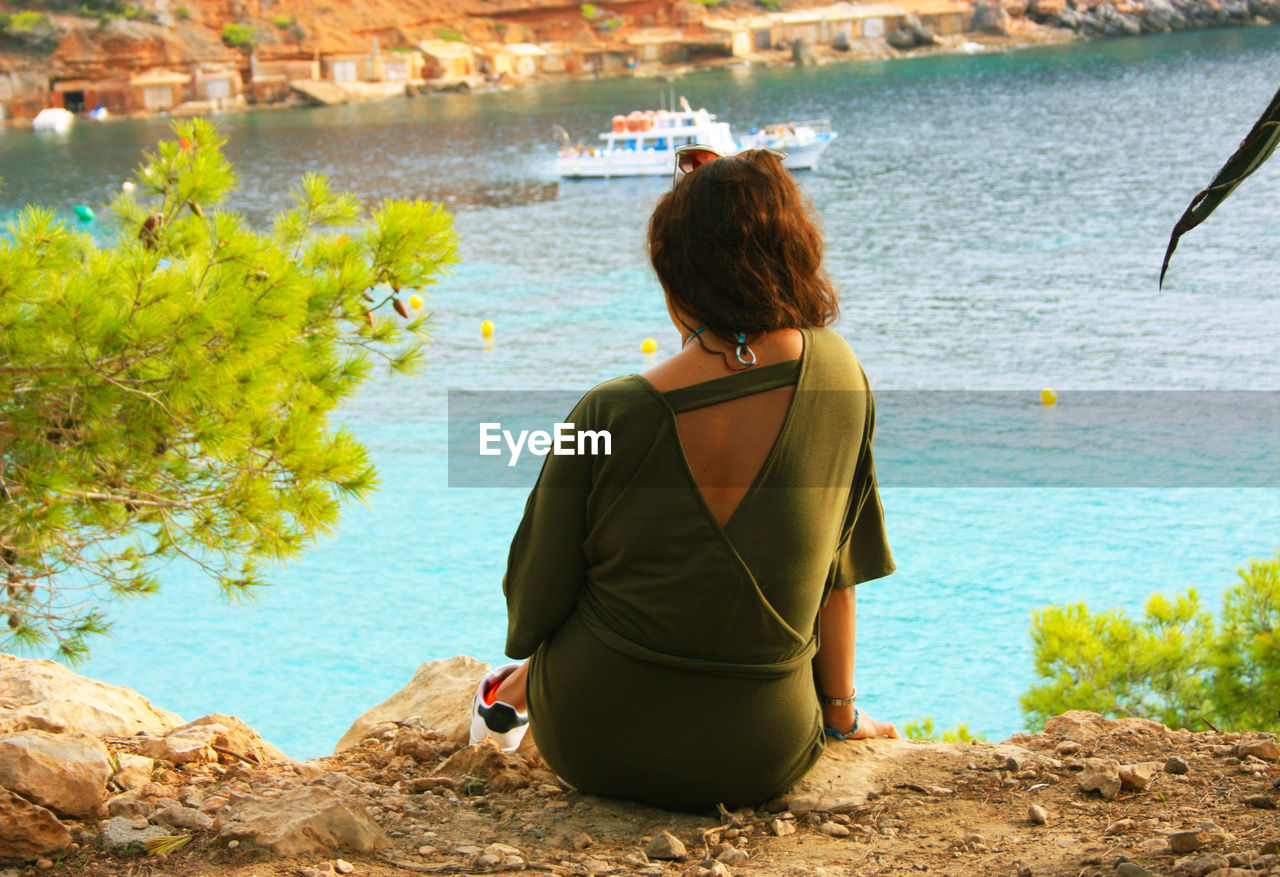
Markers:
(833, 665)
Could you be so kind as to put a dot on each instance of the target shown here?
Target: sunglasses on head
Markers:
(693, 156)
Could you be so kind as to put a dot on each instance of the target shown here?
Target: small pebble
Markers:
(1185, 841)
(733, 857)
(782, 827)
(1133, 869)
(833, 829)
(1176, 764)
(1037, 815)
(666, 846)
(342, 866)
(1120, 826)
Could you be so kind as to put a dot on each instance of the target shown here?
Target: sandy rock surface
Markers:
(47, 696)
(304, 820)
(29, 831)
(67, 773)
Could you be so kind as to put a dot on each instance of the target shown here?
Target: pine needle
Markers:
(167, 843)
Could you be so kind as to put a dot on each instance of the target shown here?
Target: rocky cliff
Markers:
(98, 780)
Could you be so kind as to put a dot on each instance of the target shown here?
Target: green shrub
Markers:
(1175, 664)
(282, 22)
(170, 395)
(30, 30)
(183, 13)
(708, 2)
(771, 5)
(923, 729)
(239, 35)
(590, 10)
(448, 34)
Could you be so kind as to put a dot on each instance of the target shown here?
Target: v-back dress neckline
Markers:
(724, 389)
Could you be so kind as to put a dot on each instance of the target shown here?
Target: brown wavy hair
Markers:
(737, 248)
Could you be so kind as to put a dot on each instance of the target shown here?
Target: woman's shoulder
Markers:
(622, 398)
(834, 364)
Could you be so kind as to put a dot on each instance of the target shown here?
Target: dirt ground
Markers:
(949, 809)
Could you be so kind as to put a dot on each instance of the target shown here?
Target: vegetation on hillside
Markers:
(169, 396)
(34, 31)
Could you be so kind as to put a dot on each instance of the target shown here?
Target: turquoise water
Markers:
(994, 222)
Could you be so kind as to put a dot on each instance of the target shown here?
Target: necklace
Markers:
(744, 354)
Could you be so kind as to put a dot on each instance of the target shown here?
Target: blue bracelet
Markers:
(832, 732)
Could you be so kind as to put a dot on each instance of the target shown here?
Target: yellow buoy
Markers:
(1048, 397)
(648, 345)
(486, 329)
(415, 301)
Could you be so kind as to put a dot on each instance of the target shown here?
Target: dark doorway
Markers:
(73, 101)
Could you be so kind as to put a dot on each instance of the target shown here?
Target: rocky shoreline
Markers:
(94, 780)
(990, 25)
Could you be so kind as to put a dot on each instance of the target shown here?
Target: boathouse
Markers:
(448, 59)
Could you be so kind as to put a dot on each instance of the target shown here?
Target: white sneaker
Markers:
(497, 721)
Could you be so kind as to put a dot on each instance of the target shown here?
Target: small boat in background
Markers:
(803, 142)
(53, 119)
(643, 143)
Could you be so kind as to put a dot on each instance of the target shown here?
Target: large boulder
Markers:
(1159, 16)
(211, 739)
(67, 773)
(232, 735)
(1078, 22)
(440, 692)
(989, 17)
(911, 34)
(46, 696)
(1237, 11)
(305, 820)
(29, 831)
(1045, 10)
(1268, 9)
(438, 698)
(1087, 727)
(1116, 23)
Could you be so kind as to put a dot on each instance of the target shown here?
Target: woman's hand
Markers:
(841, 718)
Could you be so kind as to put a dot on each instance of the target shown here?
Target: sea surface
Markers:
(994, 222)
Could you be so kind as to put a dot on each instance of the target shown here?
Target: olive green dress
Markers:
(671, 658)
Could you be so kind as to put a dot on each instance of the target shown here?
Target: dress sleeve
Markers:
(864, 549)
(547, 564)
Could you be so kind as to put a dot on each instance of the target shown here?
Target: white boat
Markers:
(642, 144)
(53, 119)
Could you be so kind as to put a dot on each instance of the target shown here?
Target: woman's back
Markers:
(727, 443)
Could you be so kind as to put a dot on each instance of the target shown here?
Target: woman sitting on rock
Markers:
(686, 602)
